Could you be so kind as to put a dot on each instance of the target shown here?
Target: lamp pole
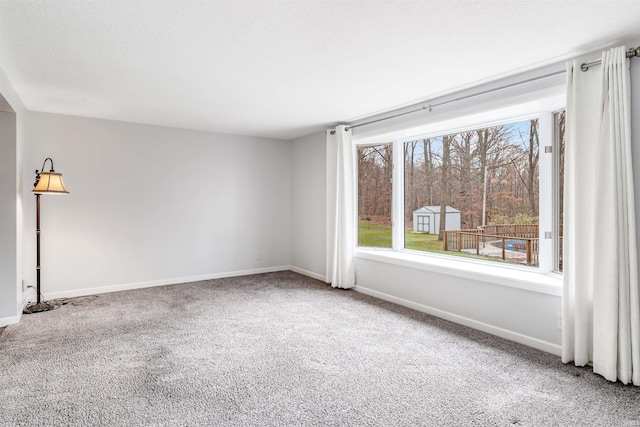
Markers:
(38, 248)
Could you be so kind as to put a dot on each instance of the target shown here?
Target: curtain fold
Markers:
(341, 209)
(601, 306)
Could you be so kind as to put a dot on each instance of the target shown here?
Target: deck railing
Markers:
(511, 242)
(512, 230)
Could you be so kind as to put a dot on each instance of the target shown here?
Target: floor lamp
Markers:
(46, 183)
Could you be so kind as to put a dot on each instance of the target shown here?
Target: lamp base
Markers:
(38, 308)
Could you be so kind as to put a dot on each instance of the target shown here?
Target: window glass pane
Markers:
(374, 195)
(558, 181)
(475, 193)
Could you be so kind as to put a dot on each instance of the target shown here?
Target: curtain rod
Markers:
(461, 98)
(584, 67)
(630, 54)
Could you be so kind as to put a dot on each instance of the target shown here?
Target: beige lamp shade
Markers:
(50, 183)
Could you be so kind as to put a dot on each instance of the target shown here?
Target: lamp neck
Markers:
(38, 173)
(45, 162)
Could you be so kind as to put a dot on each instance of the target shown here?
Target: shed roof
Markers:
(436, 209)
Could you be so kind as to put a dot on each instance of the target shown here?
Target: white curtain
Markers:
(341, 208)
(601, 304)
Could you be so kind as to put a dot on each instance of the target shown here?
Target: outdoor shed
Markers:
(427, 219)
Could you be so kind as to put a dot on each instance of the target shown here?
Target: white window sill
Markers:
(506, 275)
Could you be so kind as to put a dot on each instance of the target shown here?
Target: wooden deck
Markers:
(510, 242)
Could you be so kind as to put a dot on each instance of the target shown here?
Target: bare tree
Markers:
(530, 170)
(428, 168)
(462, 145)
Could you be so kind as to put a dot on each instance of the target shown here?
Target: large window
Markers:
(478, 192)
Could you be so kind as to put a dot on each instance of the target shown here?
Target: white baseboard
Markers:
(484, 327)
(6, 321)
(308, 273)
(163, 282)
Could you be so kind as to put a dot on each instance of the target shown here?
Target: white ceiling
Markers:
(279, 68)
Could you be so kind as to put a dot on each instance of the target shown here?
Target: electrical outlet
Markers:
(258, 255)
(559, 321)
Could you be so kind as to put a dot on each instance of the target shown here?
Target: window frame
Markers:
(544, 109)
(557, 225)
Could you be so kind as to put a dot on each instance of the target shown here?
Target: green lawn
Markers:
(424, 242)
(375, 235)
(379, 236)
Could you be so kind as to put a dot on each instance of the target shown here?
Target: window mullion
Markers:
(545, 218)
(397, 197)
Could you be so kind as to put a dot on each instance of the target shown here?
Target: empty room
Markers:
(319, 212)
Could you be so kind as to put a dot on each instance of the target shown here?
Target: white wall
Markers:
(11, 142)
(308, 205)
(521, 315)
(152, 205)
(8, 234)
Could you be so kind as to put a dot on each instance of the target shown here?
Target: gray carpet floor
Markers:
(283, 349)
